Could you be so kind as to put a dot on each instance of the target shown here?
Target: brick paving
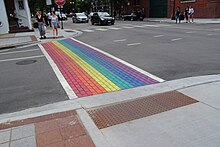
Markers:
(55, 130)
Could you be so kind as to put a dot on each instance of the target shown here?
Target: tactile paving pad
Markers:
(142, 107)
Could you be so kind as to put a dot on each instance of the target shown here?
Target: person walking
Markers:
(54, 24)
(186, 13)
(178, 14)
(191, 12)
(41, 24)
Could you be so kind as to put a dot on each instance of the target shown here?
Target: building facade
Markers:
(11, 8)
(166, 8)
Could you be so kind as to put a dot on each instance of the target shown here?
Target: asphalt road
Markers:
(169, 51)
(27, 80)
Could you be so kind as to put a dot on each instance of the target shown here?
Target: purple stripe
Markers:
(131, 71)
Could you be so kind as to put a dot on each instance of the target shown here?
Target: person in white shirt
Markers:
(54, 23)
(190, 13)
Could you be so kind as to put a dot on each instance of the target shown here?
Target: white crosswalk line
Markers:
(158, 36)
(176, 39)
(112, 28)
(101, 29)
(190, 32)
(147, 25)
(126, 27)
(88, 31)
(121, 40)
(132, 44)
(137, 26)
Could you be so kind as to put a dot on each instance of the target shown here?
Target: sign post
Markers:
(60, 4)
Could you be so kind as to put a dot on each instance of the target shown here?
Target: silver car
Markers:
(80, 17)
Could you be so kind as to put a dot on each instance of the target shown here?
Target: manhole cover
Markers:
(25, 62)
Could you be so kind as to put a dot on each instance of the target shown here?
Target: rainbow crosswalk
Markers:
(89, 71)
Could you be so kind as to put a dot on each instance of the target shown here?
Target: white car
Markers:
(80, 17)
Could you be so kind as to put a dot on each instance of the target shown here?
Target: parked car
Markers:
(80, 17)
(133, 16)
(102, 18)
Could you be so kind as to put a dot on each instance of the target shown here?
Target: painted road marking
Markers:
(89, 31)
(5, 50)
(59, 75)
(137, 26)
(113, 28)
(190, 32)
(157, 36)
(121, 40)
(101, 29)
(19, 51)
(89, 71)
(127, 27)
(123, 62)
(216, 29)
(132, 44)
(151, 25)
(211, 34)
(22, 58)
(176, 39)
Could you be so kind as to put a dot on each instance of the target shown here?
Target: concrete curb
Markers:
(110, 98)
(18, 45)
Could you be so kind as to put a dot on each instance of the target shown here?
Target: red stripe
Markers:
(79, 80)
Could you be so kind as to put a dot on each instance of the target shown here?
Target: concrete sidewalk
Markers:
(196, 20)
(32, 38)
(176, 113)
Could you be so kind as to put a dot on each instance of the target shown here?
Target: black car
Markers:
(133, 16)
(102, 18)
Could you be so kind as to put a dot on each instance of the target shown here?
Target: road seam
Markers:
(22, 58)
(19, 51)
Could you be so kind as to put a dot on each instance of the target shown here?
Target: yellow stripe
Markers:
(96, 75)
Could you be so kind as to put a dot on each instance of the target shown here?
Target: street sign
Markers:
(48, 2)
(60, 2)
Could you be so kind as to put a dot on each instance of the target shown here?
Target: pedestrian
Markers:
(49, 18)
(178, 14)
(41, 24)
(15, 17)
(54, 24)
(186, 13)
(191, 12)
